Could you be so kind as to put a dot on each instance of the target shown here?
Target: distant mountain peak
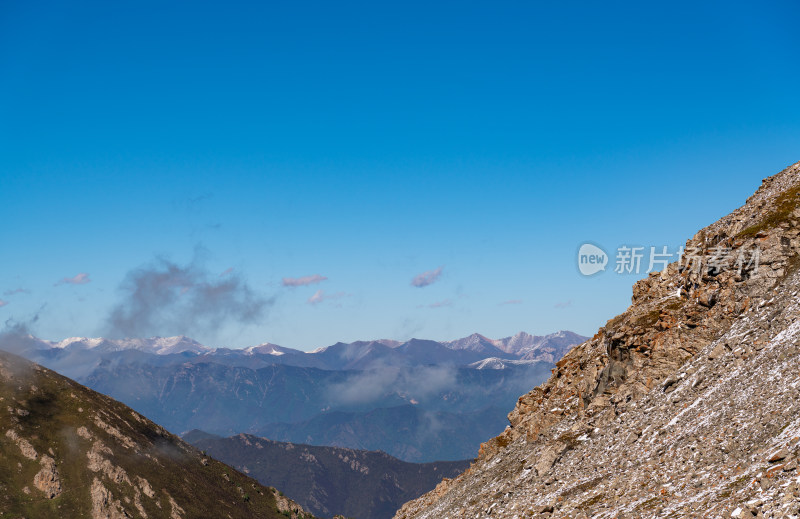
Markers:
(474, 342)
(498, 363)
(268, 348)
(155, 345)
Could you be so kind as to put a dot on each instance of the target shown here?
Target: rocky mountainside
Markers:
(66, 451)
(686, 405)
(328, 480)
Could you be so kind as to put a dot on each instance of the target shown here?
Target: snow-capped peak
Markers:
(267, 348)
(156, 345)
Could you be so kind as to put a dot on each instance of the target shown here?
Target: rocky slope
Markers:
(328, 480)
(686, 405)
(66, 451)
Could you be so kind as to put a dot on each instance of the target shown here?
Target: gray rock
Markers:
(778, 455)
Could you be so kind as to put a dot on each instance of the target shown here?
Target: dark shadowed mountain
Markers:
(330, 480)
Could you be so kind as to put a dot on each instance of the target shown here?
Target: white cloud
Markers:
(303, 281)
(438, 304)
(320, 296)
(78, 279)
(16, 291)
(428, 277)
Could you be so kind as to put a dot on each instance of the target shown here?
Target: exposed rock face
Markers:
(681, 406)
(103, 504)
(48, 480)
(287, 507)
(176, 512)
(24, 445)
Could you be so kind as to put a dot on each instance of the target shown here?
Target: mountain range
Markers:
(339, 356)
(408, 399)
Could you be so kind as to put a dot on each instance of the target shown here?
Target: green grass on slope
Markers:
(46, 409)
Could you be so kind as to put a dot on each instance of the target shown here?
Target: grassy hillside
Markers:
(67, 451)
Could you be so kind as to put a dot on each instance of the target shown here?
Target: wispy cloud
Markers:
(16, 337)
(194, 201)
(225, 272)
(510, 302)
(563, 304)
(193, 204)
(16, 291)
(303, 281)
(168, 299)
(438, 304)
(428, 277)
(78, 279)
(408, 328)
(3, 303)
(320, 296)
(417, 382)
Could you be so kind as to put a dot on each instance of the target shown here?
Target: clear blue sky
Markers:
(368, 143)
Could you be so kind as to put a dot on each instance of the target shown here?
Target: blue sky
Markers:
(368, 143)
